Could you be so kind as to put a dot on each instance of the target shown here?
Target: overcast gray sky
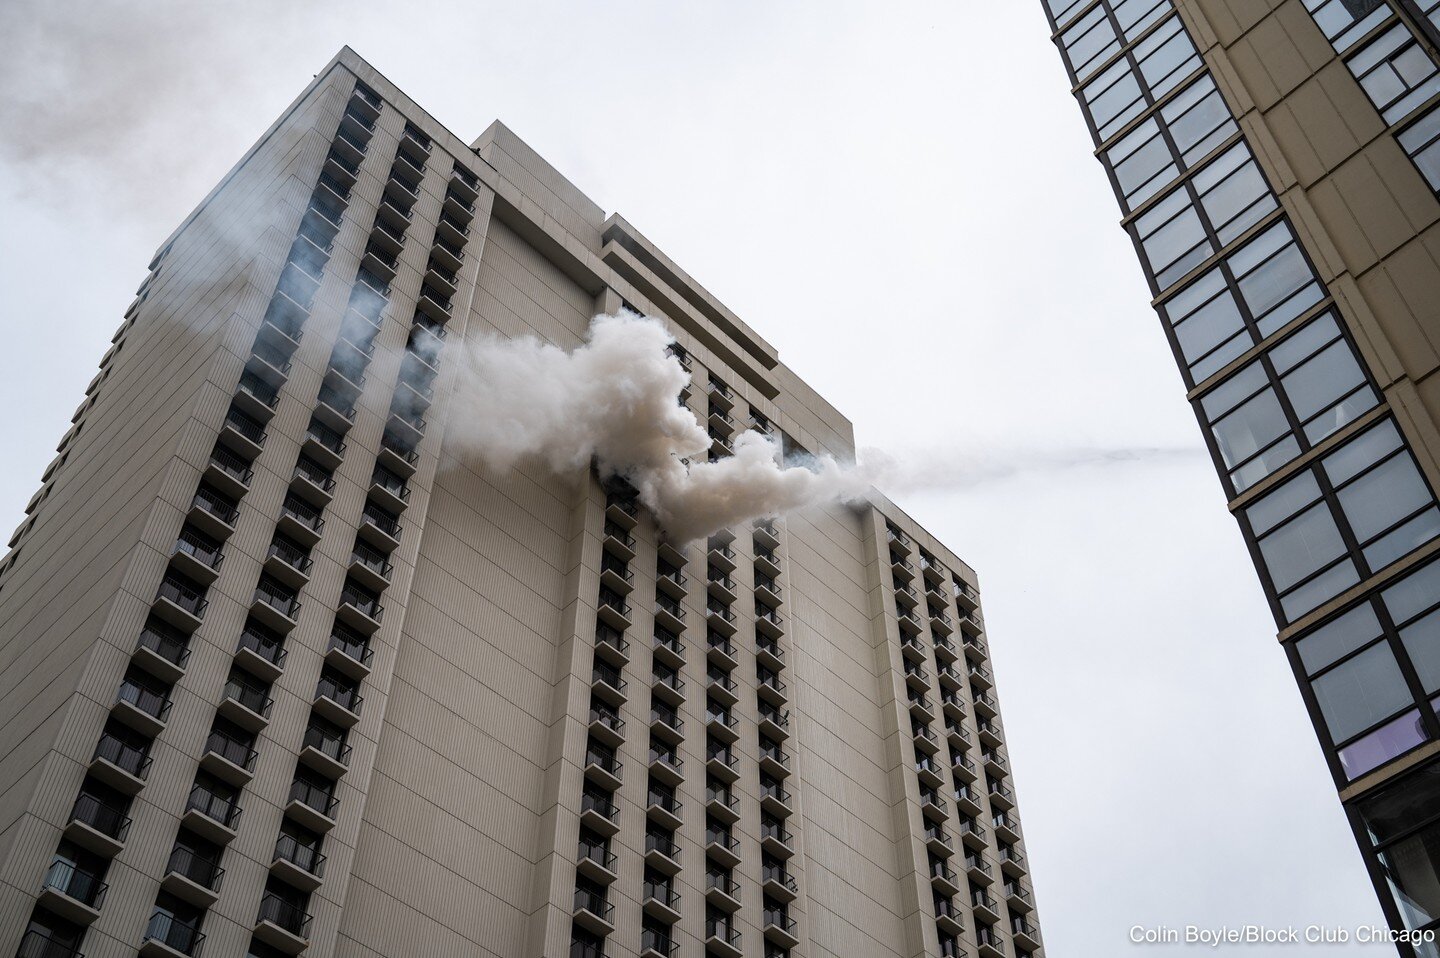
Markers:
(902, 198)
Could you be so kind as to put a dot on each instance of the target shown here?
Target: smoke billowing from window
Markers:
(614, 400)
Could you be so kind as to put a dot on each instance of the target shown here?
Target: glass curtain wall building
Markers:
(1276, 163)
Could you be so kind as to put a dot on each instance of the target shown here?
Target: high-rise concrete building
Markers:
(1276, 163)
(284, 670)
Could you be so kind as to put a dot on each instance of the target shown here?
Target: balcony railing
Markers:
(249, 694)
(74, 882)
(288, 915)
(215, 807)
(353, 646)
(348, 697)
(39, 944)
(150, 701)
(170, 931)
(231, 749)
(203, 871)
(313, 796)
(305, 857)
(105, 818)
(131, 759)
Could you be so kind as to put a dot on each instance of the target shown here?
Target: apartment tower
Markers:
(1276, 164)
(285, 672)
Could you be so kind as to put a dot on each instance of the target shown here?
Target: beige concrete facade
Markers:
(448, 738)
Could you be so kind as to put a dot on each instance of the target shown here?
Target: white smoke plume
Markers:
(615, 400)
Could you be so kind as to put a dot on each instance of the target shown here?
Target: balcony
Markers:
(672, 582)
(722, 687)
(949, 920)
(212, 513)
(917, 677)
(938, 841)
(774, 762)
(722, 891)
(39, 944)
(435, 304)
(945, 881)
(282, 924)
(667, 725)
(721, 652)
(337, 703)
(616, 575)
(986, 908)
(665, 811)
(724, 765)
(451, 256)
(606, 727)
(396, 456)
(274, 606)
(1026, 935)
(325, 445)
(767, 562)
(722, 587)
(722, 942)
(721, 556)
(768, 591)
(719, 618)
(1018, 897)
(613, 611)
(298, 865)
(950, 679)
(255, 397)
(909, 624)
(311, 806)
(722, 848)
(996, 765)
(452, 231)
(661, 901)
(72, 892)
(593, 913)
(97, 825)
(370, 567)
(1001, 797)
(349, 652)
(767, 534)
(990, 734)
(458, 207)
(668, 687)
(945, 652)
(963, 768)
(312, 485)
(666, 766)
(596, 864)
(954, 707)
(228, 473)
(940, 623)
(144, 709)
(929, 773)
(441, 278)
(325, 753)
(211, 816)
(720, 395)
(774, 723)
(1007, 829)
(670, 616)
(901, 568)
(775, 800)
(780, 929)
(604, 770)
(618, 542)
(979, 869)
(967, 799)
(228, 758)
(246, 703)
(624, 512)
(721, 726)
(400, 189)
(771, 689)
(192, 877)
(407, 425)
(662, 853)
(335, 408)
(932, 805)
(381, 528)
(1012, 862)
(388, 491)
(287, 562)
(167, 936)
(935, 573)
(779, 884)
(777, 841)
(607, 682)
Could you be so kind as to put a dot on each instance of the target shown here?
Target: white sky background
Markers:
(900, 197)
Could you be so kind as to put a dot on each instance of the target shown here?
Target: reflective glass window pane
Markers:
(1413, 594)
(1205, 316)
(1250, 428)
(1282, 502)
(1346, 21)
(1320, 589)
(1233, 192)
(1135, 15)
(1338, 638)
(1063, 10)
(1302, 546)
(1421, 141)
(1166, 57)
(1142, 163)
(1383, 496)
(1380, 746)
(1113, 99)
(1364, 450)
(1317, 390)
(1173, 238)
(1404, 539)
(1395, 72)
(1262, 465)
(1361, 691)
(1275, 281)
(1422, 644)
(1198, 119)
(1090, 41)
